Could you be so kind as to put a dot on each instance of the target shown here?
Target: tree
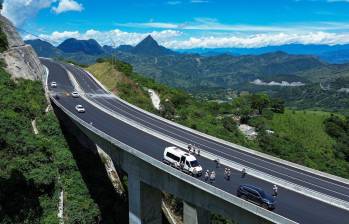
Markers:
(229, 124)
(278, 105)
(260, 102)
(339, 129)
(242, 107)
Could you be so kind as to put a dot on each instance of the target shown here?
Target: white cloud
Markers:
(176, 40)
(67, 5)
(212, 24)
(273, 83)
(19, 11)
(259, 40)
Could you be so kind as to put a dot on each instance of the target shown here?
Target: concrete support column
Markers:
(195, 215)
(134, 199)
(144, 202)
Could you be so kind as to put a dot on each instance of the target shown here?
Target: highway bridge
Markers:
(135, 140)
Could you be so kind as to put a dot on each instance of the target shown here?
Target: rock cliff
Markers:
(20, 59)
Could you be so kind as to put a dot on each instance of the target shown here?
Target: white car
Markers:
(182, 160)
(53, 84)
(80, 108)
(75, 94)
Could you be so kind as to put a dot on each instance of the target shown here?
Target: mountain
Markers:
(191, 71)
(224, 71)
(43, 48)
(149, 46)
(87, 51)
(337, 56)
(125, 48)
(312, 49)
(108, 49)
(90, 47)
(332, 54)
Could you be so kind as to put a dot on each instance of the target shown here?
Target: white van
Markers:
(182, 160)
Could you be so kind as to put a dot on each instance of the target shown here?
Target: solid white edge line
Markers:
(260, 175)
(254, 209)
(230, 144)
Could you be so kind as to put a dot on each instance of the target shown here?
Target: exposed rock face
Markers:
(20, 58)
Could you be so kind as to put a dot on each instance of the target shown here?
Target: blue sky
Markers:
(185, 23)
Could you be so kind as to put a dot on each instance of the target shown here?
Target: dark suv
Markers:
(256, 195)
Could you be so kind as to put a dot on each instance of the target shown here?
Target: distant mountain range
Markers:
(331, 54)
(87, 51)
(190, 71)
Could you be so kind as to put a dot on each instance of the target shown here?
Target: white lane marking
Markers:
(220, 144)
(217, 151)
(248, 155)
(286, 184)
(259, 211)
(261, 156)
(231, 156)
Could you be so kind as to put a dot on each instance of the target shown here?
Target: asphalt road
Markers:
(292, 205)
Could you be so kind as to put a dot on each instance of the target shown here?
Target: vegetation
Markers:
(3, 40)
(331, 95)
(301, 137)
(118, 81)
(222, 77)
(35, 168)
(338, 128)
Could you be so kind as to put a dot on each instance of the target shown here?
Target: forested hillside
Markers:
(34, 169)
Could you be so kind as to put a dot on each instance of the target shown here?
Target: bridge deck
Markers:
(290, 204)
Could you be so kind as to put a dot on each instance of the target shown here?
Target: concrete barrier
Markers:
(235, 146)
(258, 174)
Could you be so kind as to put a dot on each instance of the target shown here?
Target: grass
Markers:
(106, 74)
(121, 85)
(300, 137)
(304, 127)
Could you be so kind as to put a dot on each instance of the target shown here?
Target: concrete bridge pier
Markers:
(144, 202)
(195, 215)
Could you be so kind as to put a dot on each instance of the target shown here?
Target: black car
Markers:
(256, 195)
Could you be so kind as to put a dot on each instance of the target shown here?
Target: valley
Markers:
(297, 79)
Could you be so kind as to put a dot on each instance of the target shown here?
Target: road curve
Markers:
(290, 204)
